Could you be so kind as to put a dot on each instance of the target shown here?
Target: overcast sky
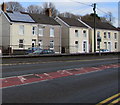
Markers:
(103, 6)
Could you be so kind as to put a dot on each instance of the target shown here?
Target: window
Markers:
(105, 45)
(21, 43)
(51, 44)
(98, 34)
(51, 32)
(84, 33)
(76, 44)
(115, 35)
(21, 29)
(109, 35)
(105, 35)
(40, 43)
(85, 46)
(34, 30)
(40, 31)
(98, 44)
(76, 33)
(115, 45)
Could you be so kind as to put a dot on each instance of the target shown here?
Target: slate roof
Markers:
(43, 19)
(30, 18)
(100, 25)
(73, 22)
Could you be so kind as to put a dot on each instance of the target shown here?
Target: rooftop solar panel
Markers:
(17, 16)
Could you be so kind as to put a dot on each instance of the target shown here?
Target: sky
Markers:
(80, 7)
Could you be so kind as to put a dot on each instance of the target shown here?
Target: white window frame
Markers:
(105, 35)
(77, 45)
(116, 45)
(52, 32)
(84, 34)
(41, 30)
(77, 33)
(21, 29)
(34, 30)
(21, 43)
(109, 35)
(115, 36)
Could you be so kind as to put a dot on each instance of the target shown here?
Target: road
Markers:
(90, 87)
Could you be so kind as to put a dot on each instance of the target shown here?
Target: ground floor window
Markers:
(21, 45)
(115, 45)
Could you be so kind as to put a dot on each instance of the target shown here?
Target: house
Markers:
(107, 33)
(75, 35)
(21, 31)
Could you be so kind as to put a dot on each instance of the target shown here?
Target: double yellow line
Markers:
(115, 99)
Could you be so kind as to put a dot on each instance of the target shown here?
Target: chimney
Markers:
(48, 12)
(4, 6)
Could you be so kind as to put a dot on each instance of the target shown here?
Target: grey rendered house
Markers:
(75, 35)
(21, 31)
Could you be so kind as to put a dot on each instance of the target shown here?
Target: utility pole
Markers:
(94, 7)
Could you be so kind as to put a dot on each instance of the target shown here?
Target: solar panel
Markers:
(17, 16)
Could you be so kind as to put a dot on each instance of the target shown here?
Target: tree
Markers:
(15, 6)
(69, 15)
(54, 11)
(34, 9)
(90, 17)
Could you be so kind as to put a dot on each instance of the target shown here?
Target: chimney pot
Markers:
(4, 6)
(48, 12)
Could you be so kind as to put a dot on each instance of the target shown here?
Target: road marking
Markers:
(115, 101)
(56, 61)
(108, 99)
(16, 80)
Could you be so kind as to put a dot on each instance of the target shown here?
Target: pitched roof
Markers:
(43, 19)
(30, 18)
(73, 22)
(100, 25)
(19, 17)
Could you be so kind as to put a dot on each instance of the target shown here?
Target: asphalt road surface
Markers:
(86, 88)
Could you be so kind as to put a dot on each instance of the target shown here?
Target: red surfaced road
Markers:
(25, 79)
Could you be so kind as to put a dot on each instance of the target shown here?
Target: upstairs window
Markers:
(21, 29)
(84, 33)
(40, 31)
(76, 33)
(34, 30)
(115, 35)
(98, 34)
(109, 35)
(51, 32)
(105, 35)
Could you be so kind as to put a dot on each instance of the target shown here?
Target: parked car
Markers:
(44, 51)
(103, 50)
(32, 49)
